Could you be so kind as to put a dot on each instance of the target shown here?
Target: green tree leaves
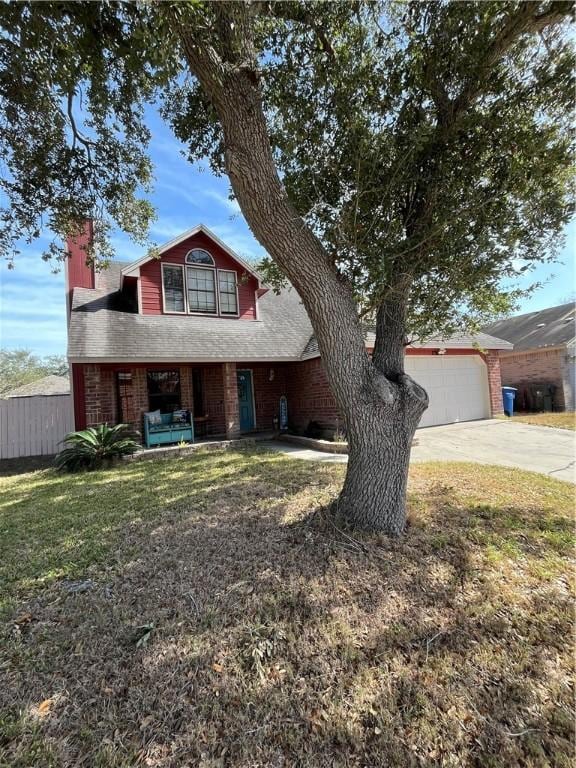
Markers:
(423, 139)
(21, 366)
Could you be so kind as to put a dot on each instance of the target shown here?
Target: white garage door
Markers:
(457, 386)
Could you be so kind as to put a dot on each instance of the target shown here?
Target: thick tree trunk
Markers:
(381, 430)
(381, 406)
(379, 439)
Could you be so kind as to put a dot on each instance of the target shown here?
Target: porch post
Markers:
(231, 411)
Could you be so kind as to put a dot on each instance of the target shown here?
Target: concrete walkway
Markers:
(299, 452)
(493, 441)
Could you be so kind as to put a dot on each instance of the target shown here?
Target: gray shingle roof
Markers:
(465, 341)
(109, 279)
(460, 341)
(534, 330)
(47, 385)
(101, 329)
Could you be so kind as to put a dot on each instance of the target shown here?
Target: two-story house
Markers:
(194, 327)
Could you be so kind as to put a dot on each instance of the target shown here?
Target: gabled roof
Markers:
(103, 328)
(133, 267)
(47, 385)
(100, 331)
(551, 327)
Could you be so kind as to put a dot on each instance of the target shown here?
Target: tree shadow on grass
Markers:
(269, 638)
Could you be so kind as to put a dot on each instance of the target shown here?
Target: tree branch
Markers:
(226, 67)
(522, 22)
(300, 14)
(76, 135)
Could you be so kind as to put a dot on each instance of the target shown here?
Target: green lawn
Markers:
(225, 622)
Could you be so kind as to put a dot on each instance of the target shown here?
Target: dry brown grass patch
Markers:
(228, 623)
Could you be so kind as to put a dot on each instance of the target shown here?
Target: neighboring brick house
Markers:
(195, 328)
(542, 365)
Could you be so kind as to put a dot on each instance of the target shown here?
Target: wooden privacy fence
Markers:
(34, 426)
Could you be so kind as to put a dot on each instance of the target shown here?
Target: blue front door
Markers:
(245, 400)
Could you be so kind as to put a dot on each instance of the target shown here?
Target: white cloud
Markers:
(243, 243)
(167, 228)
(33, 305)
(223, 200)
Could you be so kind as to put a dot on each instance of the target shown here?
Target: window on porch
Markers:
(164, 391)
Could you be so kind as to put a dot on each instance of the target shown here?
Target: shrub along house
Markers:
(194, 328)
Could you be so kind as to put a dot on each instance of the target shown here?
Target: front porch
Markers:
(226, 400)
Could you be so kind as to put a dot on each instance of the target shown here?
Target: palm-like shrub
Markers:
(94, 447)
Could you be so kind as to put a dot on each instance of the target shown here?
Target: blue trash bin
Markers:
(508, 396)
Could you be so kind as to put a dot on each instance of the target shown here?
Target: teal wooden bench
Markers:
(168, 431)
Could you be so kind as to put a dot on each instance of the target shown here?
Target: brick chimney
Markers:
(78, 273)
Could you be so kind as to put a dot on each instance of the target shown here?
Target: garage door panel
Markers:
(457, 387)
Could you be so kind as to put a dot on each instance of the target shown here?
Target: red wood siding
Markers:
(78, 273)
(151, 277)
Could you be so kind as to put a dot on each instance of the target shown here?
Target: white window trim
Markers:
(216, 296)
(194, 263)
(230, 272)
(174, 311)
(187, 311)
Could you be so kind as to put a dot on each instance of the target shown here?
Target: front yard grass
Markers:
(204, 611)
(566, 420)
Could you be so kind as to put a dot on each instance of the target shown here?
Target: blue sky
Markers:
(32, 307)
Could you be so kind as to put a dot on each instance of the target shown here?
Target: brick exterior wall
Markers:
(231, 412)
(569, 378)
(492, 360)
(92, 393)
(309, 396)
(213, 384)
(304, 384)
(267, 393)
(534, 367)
(101, 397)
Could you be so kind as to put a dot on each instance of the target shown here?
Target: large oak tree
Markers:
(395, 160)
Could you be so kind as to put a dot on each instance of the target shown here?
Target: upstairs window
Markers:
(198, 287)
(227, 291)
(201, 290)
(173, 281)
(199, 256)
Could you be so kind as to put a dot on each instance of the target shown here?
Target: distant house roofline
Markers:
(47, 386)
(543, 329)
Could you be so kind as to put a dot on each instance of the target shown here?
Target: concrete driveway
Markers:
(493, 441)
